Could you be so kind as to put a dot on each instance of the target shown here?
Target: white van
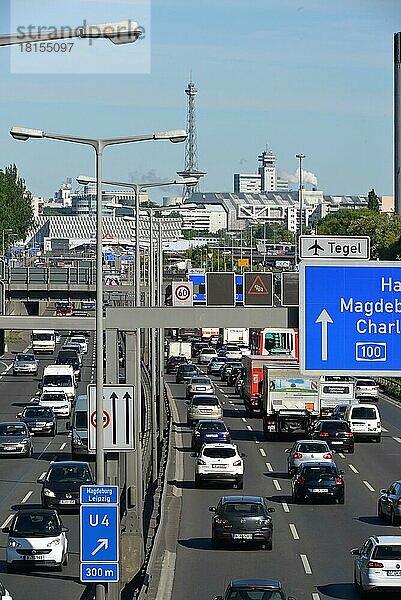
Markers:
(59, 378)
(364, 421)
(79, 429)
(43, 340)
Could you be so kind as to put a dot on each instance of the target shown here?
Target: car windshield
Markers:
(25, 357)
(42, 337)
(57, 380)
(37, 411)
(392, 552)
(53, 398)
(12, 430)
(70, 473)
(205, 401)
(187, 368)
(335, 426)
(311, 447)
(255, 594)
(320, 472)
(33, 524)
(81, 419)
(366, 382)
(364, 412)
(200, 381)
(212, 426)
(208, 351)
(219, 452)
(243, 509)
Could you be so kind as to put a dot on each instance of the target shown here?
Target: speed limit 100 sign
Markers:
(182, 292)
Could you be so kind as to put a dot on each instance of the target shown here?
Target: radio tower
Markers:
(191, 144)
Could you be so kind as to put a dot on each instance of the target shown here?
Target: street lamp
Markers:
(300, 157)
(21, 133)
(123, 32)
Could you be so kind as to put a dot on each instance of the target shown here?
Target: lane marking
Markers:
(42, 475)
(341, 454)
(263, 453)
(269, 467)
(372, 489)
(243, 419)
(306, 564)
(25, 498)
(249, 428)
(6, 522)
(63, 445)
(397, 439)
(385, 430)
(315, 596)
(277, 485)
(285, 506)
(256, 440)
(294, 531)
(230, 402)
(353, 468)
(236, 409)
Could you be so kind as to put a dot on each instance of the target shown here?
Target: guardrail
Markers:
(391, 386)
(147, 431)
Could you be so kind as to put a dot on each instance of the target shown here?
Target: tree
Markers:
(373, 201)
(15, 203)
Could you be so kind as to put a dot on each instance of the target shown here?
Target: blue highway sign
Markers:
(350, 317)
(99, 572)
(99, 533)
(99, 494)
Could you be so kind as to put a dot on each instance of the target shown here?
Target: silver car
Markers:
(307, 451)
(15, 439)
(203, 407)
(367, 389)
(389, 503)
(25, 363)
(199, 385)
(206, 355)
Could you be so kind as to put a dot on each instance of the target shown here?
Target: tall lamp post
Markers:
(300, 157)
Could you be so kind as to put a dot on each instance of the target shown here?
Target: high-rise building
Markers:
(267, 171)
(247, 183)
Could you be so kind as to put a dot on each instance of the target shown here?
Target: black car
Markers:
(254, 589)
(185, 372)
(210, 432)
(234, 373)
(60, 487)
(336, 433)
(239, 519)
(227, 368)
(173, 362)
(318, 480)
(70, 357)
(39, 419)
(197, 347)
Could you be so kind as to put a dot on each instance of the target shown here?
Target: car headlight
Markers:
(49, 493)
(53, 543)
(77, 441)
(14, 544)
(25, 441)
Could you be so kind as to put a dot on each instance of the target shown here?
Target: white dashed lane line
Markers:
(384, 430)
(261, 450)
(315, 596)
(63, 445)
(341, 454)
(372, 489)
(269, 467)
(26, 497)
(306, 565)
(397, 439)
(277, 485)
(285, 506)
(294, 531)
(243, 419)
(249, 428)
(6, 522)
(353, 468)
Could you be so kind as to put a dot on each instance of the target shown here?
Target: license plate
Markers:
(67, 501)
(36, 557)
(219, 466)
(212, 435)
(394, 573)
(201, 389)
(12, 448)
(242, 536)
(318, 490)
(358, 426)
(338, 443)
(36, 428)
(204, 410)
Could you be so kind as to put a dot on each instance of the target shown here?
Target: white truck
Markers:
(210, 332)
(236, 335)
(290, 401)
(179, 349)
(333, 390)
(43, 340)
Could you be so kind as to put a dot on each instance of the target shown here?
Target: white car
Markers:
(245, 351)
(233, 352)
(217, 462)
(206, 355)
(36, 536)
(377, 564)
(366, 389)
(307, 451)
(57, 400)
(81, 340)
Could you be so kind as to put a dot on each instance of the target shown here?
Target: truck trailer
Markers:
(252, 389)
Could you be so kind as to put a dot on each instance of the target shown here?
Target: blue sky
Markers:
(311, 76)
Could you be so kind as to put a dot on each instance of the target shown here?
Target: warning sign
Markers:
(258, 289)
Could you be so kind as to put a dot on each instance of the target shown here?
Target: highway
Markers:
(19, 487)
(311, 542)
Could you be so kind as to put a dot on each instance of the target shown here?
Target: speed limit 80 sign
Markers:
(182, 292)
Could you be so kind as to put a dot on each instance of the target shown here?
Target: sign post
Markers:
(258, 289)
(118, 418)
(182, 293)
(350, 317)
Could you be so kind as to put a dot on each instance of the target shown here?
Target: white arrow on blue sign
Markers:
(350, 317)
(99, 533)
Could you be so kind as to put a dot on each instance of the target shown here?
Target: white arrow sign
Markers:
(104, 543)
(324, 318)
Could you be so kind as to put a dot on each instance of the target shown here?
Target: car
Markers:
(58, 401)
(318, 480)
(206, 355)
(36, 537)
(69, 345)
(207, 432)
(173, 362)
(197, 347)
(39, 419)
(203, 406)
(25, 364)
(4, 593)
(389, 503)
(336, 432)
(364, 421)
(377, 564)
(339, 411)
(239, 384)
(81, 340)
(70, 357)
(199, 385)
(233, 352)
(245, 351)
(62, 482)
(307, 451)
(15, 439)
(367, 389)
(215, 365)
(185, 372)
(254, 589)
(234, 373)
(239, 519)
(227, 368)
(219, 461)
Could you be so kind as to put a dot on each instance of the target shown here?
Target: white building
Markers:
(210, 219)
(267, 171)
(38, 204)
(83, 202)
(247, 183)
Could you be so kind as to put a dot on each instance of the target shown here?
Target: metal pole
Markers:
(397, 123)
(251, 246)
(153, 350)
(100, 470)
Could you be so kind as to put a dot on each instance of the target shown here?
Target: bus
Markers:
(274, 340)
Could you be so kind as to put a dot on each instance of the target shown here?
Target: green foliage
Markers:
(15, 203)
(373, 201)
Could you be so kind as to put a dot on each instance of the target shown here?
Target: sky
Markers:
(298, 76)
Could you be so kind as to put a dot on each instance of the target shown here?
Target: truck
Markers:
(179, 349)
(235, 335)
(209, 332)
(43, 340)
(333, 390)
(290, 400)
